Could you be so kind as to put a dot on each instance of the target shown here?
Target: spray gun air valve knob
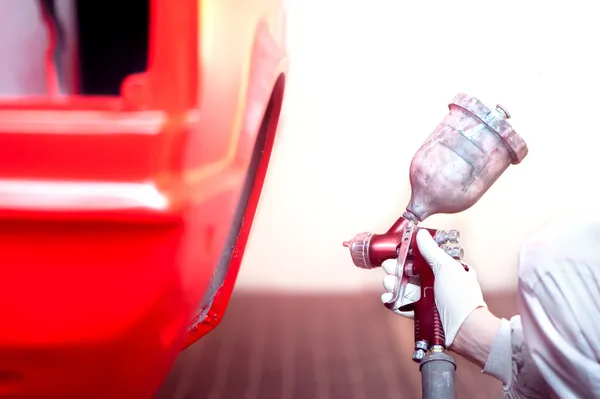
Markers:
(447, 236)
(455, 252)
(420, 351)
(418, 355)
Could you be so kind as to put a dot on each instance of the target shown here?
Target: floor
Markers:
(322, 347)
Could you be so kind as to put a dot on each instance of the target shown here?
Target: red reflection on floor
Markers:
(273, 346)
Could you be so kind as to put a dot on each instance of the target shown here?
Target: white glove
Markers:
(412, 292)
(457, 292)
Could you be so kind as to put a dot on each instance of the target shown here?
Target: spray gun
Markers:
(457, 164)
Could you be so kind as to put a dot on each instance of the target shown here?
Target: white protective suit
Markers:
(557, 335)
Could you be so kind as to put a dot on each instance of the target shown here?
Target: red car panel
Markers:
(123, 219)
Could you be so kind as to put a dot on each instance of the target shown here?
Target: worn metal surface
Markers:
(437, 376)
(462, 158)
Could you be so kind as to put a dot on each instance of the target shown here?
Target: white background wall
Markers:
(370, 81)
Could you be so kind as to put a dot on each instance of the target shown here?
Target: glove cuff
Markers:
(453, 321)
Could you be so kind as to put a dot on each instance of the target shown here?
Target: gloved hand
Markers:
(457, 292)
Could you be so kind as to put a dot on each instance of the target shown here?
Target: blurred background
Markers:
(368, 83)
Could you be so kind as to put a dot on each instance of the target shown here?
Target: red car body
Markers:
(124, 218)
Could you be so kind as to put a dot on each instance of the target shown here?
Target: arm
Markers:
(497, 345)
(559, 303)
(472, 331)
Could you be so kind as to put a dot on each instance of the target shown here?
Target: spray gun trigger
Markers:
(407, 288)
(399, 293)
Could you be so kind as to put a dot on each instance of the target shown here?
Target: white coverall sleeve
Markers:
(559, 304)
(510, 362)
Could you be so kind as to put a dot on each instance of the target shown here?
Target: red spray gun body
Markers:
(399, 243)
(455, 166)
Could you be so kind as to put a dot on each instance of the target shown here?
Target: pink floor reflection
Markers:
(305, 346)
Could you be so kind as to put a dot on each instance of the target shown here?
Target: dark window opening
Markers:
(113, 38)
